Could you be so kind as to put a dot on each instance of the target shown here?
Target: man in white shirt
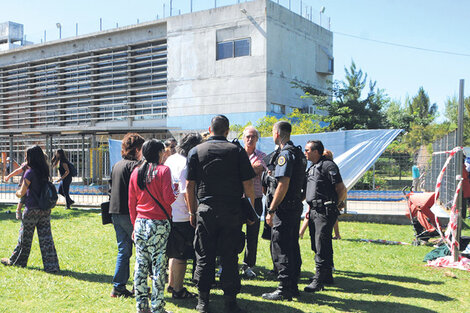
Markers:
(180, 244)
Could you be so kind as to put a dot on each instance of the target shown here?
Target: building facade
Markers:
(161, 78)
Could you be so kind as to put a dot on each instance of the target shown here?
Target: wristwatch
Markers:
(271, 211)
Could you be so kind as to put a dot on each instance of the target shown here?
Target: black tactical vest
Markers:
(298, 175)
(319, 186)
(218, 174)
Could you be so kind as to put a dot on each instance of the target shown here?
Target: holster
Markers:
(329, 208)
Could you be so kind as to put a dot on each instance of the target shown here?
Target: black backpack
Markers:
(47, 198)
(72, 169)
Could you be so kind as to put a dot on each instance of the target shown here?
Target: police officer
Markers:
(219, 172)
(325, 194)
(284, 213)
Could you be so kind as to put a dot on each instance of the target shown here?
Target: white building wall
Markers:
(199, 86)
(292, 45)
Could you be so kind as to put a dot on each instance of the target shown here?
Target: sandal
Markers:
(183, 294)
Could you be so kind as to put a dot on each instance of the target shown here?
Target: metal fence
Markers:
(83, 195)
(391, 171)
(449, 183)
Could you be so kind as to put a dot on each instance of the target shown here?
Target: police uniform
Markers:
(322, 199)
(218, 167)
(285, 248)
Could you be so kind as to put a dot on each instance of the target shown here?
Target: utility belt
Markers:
(324, 207)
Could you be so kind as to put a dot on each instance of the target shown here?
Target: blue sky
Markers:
(441, 25)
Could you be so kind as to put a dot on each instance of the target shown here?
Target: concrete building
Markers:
(166, 76)
(11, 36)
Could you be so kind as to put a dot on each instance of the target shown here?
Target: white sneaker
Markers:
(249, 273)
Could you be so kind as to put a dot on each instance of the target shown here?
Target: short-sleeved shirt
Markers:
(24, 167)
(285, 166)
(322, 178)
(219, 167)
(257, 157)
(178, 168)
(34, 186)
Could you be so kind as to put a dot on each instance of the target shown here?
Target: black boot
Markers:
(317, 282)
(203, 302)
(231, 305)
(314, 286)
(283, 292)
(328, 279)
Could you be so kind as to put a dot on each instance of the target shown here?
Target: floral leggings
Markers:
(151, 237)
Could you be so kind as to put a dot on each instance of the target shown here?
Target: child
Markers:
(22, 169)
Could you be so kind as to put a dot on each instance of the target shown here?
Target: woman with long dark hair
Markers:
(151, 194)
(65, 175)
(33, 216)
(131, 153)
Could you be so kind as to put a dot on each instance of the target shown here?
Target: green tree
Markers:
(348, 109)
(397, 117)
(302, 123)
(421, 109)
(451, 114)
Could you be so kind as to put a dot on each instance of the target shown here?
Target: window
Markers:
(242, 47)
(233, 48)
(224, 50)
(278, 108)
(331, 65)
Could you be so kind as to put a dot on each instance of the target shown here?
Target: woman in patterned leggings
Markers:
(151, 194)
(34, 217)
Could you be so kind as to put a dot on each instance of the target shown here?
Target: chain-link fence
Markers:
(449, 183)
(392, 171)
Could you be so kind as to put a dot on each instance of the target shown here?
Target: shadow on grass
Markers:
(350, 305)
(403, 279)
(4, 215)
(217, 305)
(360, 286)
(90, 277)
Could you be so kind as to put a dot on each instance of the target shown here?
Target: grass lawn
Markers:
(368, 278)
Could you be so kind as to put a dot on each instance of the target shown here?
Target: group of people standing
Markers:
(190, 206)
(184, 201)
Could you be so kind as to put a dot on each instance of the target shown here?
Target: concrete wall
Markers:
(292, 45)
(199, 86)
(102, 40)
(283, 48)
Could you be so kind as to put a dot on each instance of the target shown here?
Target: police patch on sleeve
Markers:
(281, 161)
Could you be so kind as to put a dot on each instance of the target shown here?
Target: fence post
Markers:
(459, 168)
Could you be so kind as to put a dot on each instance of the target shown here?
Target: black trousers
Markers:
(218, 232)
(321, 227)
(285, 247)
(64, 189)
(252, 233)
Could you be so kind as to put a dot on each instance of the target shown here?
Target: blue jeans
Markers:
(123, 227)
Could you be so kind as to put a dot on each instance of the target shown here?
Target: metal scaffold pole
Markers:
(459, 168)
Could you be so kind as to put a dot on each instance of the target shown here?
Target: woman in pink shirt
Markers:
(151, 194)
